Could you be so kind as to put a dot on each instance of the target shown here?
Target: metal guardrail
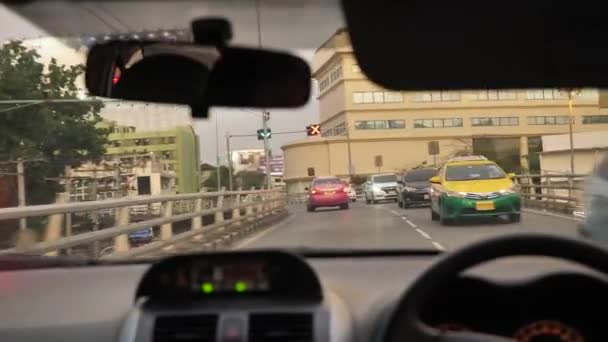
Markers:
(562, 193)
(244, 208)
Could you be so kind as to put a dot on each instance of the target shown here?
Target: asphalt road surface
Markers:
(387, 226)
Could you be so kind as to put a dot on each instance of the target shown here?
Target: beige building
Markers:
(389, 131)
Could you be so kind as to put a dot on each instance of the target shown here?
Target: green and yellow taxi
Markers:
(471, 187)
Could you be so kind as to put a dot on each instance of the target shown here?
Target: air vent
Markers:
(199, 328)
(281, 327)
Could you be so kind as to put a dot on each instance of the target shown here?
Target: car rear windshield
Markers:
(385, 179)
(329, 181)
(419, 175)
(473, 172)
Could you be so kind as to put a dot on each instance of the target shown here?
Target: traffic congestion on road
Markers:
(386, 226)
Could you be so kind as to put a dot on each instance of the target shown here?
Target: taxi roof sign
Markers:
(467, 158)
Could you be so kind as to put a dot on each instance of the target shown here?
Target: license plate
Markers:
(487, 205)
(328, 193)
(426, 196)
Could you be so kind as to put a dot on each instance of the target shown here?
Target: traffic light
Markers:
(313, 130)
(264, 134)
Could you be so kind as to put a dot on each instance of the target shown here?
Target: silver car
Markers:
(596, 202)
(381, 187)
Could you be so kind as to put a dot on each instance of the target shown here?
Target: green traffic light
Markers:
(240, 286)
(207, 287)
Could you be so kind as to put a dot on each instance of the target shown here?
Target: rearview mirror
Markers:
(197, 76)
(435, 180)
(511, 175)
(306, 188)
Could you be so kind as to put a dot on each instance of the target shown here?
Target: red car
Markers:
(327, 192)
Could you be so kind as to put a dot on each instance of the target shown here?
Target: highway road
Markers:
(387, 226)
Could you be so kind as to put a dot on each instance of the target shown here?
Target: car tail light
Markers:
(346, 189)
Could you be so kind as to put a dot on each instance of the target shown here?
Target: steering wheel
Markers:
(405, 322)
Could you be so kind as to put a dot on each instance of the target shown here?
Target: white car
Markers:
(381, 187)
(352, 194)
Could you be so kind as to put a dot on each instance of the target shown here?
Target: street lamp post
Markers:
(571, 94)
(350, 161)
(229, 157)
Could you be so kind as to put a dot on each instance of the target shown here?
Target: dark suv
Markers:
(414, 187)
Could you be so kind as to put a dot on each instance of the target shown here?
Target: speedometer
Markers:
(548, 331)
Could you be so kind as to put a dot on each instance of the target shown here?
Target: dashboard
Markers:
(276, 296)
(557, 307)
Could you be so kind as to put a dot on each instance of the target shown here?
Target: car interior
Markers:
(493, 290)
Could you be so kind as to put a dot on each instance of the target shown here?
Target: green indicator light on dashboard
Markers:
(240, 286)
(207, 287)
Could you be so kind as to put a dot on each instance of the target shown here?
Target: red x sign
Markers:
(313, 130)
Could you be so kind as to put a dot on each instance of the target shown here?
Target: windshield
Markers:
(473, 172)
(419, 175)
(385, 179)
(330, 181)
(63, 147)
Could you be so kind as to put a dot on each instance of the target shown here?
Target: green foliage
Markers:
(357, 179)
(249, 179)
(211, 182)
(58, 133)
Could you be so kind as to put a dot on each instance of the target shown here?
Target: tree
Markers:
(56, 134)
(211, 182)
(357, 179)
(249, 179)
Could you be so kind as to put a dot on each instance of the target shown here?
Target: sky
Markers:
(282, 28)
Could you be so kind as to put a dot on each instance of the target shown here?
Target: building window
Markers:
(595, 119)
(545, 94)
(340, 129)
(493, 95)
(438, 123)
(549, 120)
(393, 97)
(356, 68)
(380, 124)
(495, 121)
(396, 124)
(377, 97)
(324, 84)
(437, 96)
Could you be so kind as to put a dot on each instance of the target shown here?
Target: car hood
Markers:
(382, 185)
(481, 185)
(418, 185)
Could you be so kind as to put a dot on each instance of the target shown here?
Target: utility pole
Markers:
(265, 114)
(229, 154)
(217, 155)
(570, 93)
(21, 191)
(265, 118)
(350, 163)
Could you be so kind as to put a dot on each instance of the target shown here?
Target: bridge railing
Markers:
(202, 217)
(562, 193)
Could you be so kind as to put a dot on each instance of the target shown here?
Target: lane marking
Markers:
(420, 231)
(263, 233)
(438, 246)
(423, 233)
